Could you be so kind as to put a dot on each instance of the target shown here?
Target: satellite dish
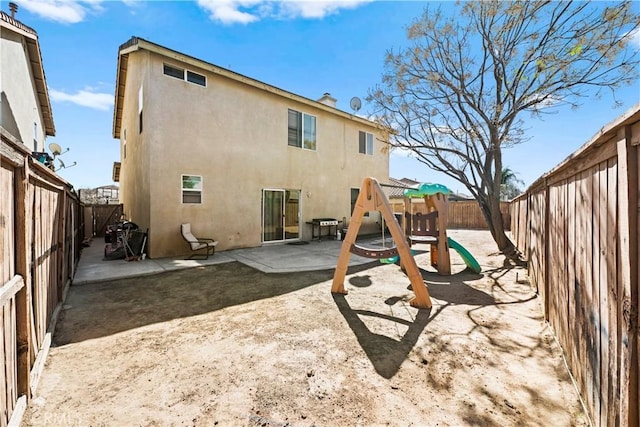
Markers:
(355, 103)
(63, 166)
(56, 150)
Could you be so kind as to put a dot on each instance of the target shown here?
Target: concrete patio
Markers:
(283, 258)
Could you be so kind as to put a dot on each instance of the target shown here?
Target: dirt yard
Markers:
(228, 345)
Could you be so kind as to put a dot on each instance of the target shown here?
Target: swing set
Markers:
(429, 228)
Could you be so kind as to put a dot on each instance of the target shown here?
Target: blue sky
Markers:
(306, 47)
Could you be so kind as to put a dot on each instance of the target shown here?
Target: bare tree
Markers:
(455, 98)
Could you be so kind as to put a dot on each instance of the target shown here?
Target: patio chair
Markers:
(201, 246)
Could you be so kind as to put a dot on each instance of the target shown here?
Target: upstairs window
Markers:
(365, 145)
(178, 73)
(192, 189)
(302, 130)
(196, 78)
(182, 74)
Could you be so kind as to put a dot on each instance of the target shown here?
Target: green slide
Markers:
(466, 255)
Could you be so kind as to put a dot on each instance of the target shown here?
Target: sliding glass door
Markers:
(280, 215)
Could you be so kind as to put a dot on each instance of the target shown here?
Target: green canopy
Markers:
(426, 189)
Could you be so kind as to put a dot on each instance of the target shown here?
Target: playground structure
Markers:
(432, 227)
(372, 198)
(429, 228)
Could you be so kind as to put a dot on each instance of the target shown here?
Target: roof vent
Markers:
(13, 8)
(327, 99)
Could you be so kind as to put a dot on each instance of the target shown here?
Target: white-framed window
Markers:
(301, 130)
(196, 78)
(124, 143)
(365, 143)
(170, 70)
(191, 189)
(182, 74)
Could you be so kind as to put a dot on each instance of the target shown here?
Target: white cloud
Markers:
(634, 37)
(64, 11)
(317, 9)
(85, 98)
(248, 11)
(228, 11)
(224, 11)
(543, 101)
(401, 152)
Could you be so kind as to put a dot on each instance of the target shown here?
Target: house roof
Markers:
(401, 184)
(37, 69)
(136, 43)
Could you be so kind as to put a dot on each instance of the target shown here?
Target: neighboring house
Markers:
(25, 109)
(244, 162)
(39, 222)
(105, 195)
(395, 192)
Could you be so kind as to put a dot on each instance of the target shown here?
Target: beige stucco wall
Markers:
(135, 191)
(235, 137)
(19, 105)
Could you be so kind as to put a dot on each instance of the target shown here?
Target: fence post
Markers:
(23, 262)
(546, 257)
(628, 275)
(62, 240)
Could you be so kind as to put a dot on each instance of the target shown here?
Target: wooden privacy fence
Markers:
(464, 214)
(40, 234)
(104, 215)
(467, 214)
(579, 226)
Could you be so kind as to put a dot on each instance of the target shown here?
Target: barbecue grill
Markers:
(324, 223)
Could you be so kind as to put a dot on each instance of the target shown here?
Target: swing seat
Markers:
(373, 253)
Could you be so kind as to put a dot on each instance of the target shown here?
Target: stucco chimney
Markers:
(329, 100)
(13, 8)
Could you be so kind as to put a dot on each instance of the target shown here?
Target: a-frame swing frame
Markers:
(372, 198)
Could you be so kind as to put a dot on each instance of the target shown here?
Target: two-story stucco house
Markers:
(244, 162)
(25, 109)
